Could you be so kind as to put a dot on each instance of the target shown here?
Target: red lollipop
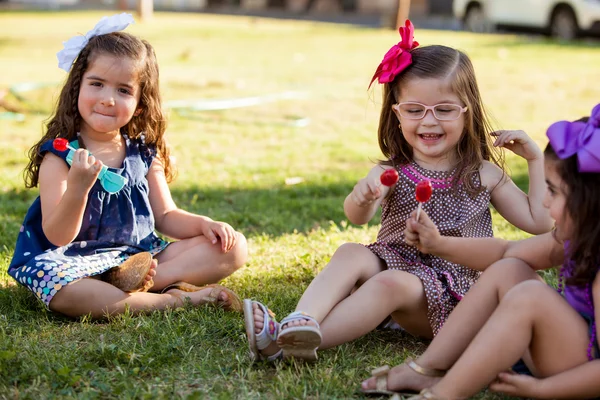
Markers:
(389, 177)
(61, 144)
(423, 194)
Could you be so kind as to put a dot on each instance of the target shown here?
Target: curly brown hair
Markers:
(583, 208)
(476, 144)
(150, 121)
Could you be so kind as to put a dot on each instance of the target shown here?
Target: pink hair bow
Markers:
(581, 138)
(398, 57)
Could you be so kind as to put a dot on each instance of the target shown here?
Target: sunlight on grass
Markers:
(233, 166)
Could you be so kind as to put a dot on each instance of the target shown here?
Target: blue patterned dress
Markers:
(115, 226)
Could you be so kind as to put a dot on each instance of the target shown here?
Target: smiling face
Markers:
(108, 96)
(434, 142)
(555, 200)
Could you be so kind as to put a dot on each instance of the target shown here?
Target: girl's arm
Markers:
(525, 211)
(64, 193)
(540, 252)
(364, 200)
(169, 219)
(580, 382)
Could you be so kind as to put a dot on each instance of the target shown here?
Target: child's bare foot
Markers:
(201, 295)
(402, 377)
(149, 279)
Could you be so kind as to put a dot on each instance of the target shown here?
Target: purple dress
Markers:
(455, 213)
(582, 300)
(114, 227)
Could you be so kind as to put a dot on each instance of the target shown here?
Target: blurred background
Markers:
(562, 19)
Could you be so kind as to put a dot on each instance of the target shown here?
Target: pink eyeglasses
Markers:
(442, 112)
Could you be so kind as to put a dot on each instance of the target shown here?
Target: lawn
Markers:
(233, 166)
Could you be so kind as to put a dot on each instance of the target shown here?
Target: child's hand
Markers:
(215, 230)
(84, 171)
(519, 143)
(424, 235)
(518, 385)
(365, 192)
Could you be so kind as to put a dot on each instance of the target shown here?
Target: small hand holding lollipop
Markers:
(110, 181)
(423, 194)
(389, 177)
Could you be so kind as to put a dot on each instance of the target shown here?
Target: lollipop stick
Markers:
(418, 211)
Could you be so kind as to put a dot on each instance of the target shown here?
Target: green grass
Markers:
(232, 167)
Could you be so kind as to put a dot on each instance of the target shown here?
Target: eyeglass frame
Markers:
(396, 108)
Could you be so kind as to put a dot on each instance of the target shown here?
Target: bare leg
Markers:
(533, 317)
(350, 265)
(387, 292)
(198, 261)
(462, 325)
(99, 299)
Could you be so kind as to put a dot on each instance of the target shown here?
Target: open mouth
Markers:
(430, 136)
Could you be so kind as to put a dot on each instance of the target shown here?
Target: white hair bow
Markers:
(73, 46)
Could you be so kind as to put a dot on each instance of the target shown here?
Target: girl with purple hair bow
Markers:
(551, 336)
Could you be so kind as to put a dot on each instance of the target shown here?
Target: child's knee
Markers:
(510, 270)
(64, 300)
(527, 295)
(239, 252)
(394, 282)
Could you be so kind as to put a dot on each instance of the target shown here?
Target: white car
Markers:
(564, 19)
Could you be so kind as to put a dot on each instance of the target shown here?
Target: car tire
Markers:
(474, 20)
(563, 24)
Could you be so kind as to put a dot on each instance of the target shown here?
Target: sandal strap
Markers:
(436, 373)
(298, 315)
(269, 330)
(426, 394)
(380, 374)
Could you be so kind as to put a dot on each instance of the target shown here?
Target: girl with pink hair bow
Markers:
(432, 127)
(552, 337)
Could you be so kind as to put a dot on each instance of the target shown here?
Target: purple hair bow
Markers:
(581, 138)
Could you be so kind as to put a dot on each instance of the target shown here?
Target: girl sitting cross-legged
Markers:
(88, 244)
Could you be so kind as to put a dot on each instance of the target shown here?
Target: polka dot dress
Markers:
(114, 227)
(455, 213)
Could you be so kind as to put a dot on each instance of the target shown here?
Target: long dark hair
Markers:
(583, 208)
(66, 120)
(476, 143)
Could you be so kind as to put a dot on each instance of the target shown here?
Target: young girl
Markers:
(501, 320)
(101, 199)
(432, 127)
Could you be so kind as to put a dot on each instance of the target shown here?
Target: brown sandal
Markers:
(234, 303)
(130, 276)
(381, 375)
